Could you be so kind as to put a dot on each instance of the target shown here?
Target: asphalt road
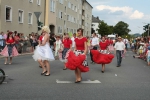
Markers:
(131, 81)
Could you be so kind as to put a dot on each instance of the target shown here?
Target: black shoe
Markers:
(44, 73)
(65, 69)
(77, 81)
(47, 75)
(102, 71)
(40, 66)
(118, 66)
(133, 56)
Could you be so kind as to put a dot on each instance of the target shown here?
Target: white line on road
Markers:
(88, 81)
(5, 82)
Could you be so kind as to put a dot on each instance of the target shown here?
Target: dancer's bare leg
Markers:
(78, 75)
(47, 67)
(6, 59)
(43, 67)
(10, 60)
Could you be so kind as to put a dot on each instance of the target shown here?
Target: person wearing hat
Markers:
(148, 56)
(119, 50)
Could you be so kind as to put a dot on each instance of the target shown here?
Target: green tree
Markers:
(111, 29)
(103, 28)
(145, 33)
(121, 28)
(40, 25)
(146, 28)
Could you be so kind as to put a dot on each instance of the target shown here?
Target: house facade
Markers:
(18, 15)
(95, 23)
(66, 16)
(62, 16)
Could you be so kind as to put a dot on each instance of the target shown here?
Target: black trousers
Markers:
(94, 48)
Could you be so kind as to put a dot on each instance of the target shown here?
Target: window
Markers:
(74, 20)
(61, 1)
(52, 5)
(31, 1)
(60, 14)
(78, 6)
(8, 13)
(38, 2)
(72, 6)
(86, 6)
(69, 5)
(65, 9)
(74, 30)
(71, 30)
(75, 8)
(30, 18)
(64, 23)
(20, 13)
(60, 29)
(68, 17)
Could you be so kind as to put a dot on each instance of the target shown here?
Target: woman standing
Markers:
(67, 43)
(9, 50)
(103, 49)
(43, 53)
(103, 57)
(77, 59)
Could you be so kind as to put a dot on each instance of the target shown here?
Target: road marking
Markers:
(6, 75)
(115, 74)
(5, 82)
(88, 81)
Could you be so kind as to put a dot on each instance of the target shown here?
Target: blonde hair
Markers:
(45, 29)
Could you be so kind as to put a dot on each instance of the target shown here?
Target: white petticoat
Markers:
(43, 53)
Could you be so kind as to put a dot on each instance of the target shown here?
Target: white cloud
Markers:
(113, 9)
(137, 15)
(127, 11)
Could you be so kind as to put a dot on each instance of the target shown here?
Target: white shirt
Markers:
(95, 41)
(119, 46)
(125, 41)
(73, 42)
(1, 40)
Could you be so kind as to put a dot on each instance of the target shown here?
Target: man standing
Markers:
(119, 50)
(94, 45)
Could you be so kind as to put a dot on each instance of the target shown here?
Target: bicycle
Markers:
(2, 76)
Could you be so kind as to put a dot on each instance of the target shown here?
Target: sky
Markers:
(134, 12)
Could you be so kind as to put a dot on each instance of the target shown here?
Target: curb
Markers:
(20, 54)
